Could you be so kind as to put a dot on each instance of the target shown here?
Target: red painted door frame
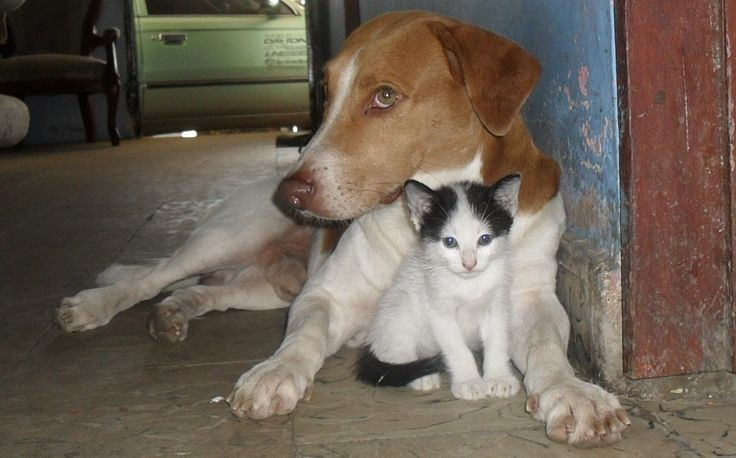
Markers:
(676, 182)
(730, 26)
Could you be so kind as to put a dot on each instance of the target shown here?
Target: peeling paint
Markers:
(583, 81)
(570, 102)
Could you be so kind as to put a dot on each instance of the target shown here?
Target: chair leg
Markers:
(112, 91)
(87, 117)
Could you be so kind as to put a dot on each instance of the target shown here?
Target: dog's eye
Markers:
(385, 97)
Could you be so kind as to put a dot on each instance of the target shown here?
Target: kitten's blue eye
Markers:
(484, 239)
(449, 242)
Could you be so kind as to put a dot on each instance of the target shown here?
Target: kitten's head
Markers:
(464, 225)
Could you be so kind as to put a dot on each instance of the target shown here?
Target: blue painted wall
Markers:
(573, 112)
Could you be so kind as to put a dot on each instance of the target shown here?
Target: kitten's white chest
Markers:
(470, 291)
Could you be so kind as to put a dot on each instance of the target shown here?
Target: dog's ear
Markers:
(498, 74)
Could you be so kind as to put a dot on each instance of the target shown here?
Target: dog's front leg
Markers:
(574, 412)
(319, 324)
(274, 386)
(336, 304)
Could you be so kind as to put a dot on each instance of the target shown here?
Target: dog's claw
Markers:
(167, 324)
(579, 414)
(270, 388)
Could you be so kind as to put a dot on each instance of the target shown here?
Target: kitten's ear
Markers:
(419, 199)
(506, 192)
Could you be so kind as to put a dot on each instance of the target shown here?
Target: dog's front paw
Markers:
(426, 383)
(579, 413)
(504, 386)
(270, 388)
(470, 389)
(167, 323)
(82, 312)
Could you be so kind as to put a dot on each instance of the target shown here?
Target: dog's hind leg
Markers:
(250, 289)
(121, 272)
(217, 244)
(95, 307)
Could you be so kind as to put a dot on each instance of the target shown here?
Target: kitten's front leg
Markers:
(497, 370)
(466, 382)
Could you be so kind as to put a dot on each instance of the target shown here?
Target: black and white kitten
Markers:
(450, 296)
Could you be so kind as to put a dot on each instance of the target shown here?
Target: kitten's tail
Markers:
(369, 369)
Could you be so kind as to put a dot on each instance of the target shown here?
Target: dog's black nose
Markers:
(296, 189)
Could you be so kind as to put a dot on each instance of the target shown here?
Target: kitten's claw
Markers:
(471, 389)
(426, 383)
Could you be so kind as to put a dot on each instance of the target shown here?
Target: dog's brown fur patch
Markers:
(330, 237)
(459, 91)
(516, 153)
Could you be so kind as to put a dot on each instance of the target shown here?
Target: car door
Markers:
(214, 64)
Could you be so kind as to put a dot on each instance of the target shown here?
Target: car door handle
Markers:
(171, 38)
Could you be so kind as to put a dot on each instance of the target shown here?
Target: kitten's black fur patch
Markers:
(485, 206)
(373, 371)
(444, 202)
(482, 203)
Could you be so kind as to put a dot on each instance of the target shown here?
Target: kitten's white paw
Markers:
(471, 389)
(426, 383)
(503, 387)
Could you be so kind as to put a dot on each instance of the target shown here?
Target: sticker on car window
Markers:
(284, 49)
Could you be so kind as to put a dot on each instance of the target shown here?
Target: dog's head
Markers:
(409, 92)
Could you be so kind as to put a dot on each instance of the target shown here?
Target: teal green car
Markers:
(220, 64)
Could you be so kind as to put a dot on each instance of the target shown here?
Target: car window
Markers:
(207, 7)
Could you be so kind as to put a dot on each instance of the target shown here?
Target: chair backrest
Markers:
(54, 26)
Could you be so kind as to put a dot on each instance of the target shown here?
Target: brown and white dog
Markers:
(411, 95)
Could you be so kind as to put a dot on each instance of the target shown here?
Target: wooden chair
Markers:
(47, 63)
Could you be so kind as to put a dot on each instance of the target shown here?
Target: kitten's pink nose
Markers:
(469, 261)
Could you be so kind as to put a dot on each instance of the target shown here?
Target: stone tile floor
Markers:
(67, 212)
